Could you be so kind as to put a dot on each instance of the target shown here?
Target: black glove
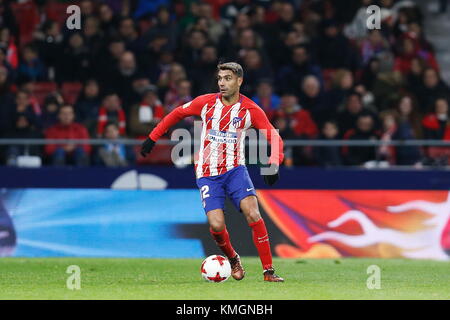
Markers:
(271, 179)
(147, 147)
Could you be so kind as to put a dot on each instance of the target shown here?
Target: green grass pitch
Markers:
(180, 279)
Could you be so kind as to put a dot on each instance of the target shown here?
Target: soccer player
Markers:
(220, 167)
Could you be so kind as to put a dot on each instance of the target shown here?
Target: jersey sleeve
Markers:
(192, 108)
(261, 122)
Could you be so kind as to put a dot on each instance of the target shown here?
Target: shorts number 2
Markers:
(205, 190)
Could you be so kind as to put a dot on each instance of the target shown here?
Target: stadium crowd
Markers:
(312, 65)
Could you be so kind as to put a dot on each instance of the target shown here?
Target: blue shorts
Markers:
(236, 184)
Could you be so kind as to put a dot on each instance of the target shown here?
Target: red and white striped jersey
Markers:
(223, 132)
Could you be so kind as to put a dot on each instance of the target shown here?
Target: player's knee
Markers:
(253, 215)
(217, 226)
(216, 220)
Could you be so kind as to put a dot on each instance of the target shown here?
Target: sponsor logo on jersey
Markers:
(222, 136)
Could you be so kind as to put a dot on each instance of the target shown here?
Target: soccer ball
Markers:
(216, 268)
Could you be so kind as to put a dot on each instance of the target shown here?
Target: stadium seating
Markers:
(28, 15)
(41, 90)
(56, 11)
(70, 91)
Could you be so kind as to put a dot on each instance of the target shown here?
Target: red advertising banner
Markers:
(361, 223)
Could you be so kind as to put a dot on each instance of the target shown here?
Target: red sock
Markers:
(261, 240)
(222, 239)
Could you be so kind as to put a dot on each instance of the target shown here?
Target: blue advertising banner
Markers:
(100, 223)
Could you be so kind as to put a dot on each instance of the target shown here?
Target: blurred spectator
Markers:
(31, 67)
(387, 88)
(241, 23)
(255, 69)
(191, 14)
(257, 19)
(8, 19)
(302, 125)
(313, 100)
(328, 156)
(229, 11)
(145, 7)
(115, 49)
(373, 46)
(436, 123)
(139, 85)
(432, 87)
(111, 110)
(20, 105)
(342, 86)
(425, 48)
(437, 126)
(289, 41)
(87, 8)
(282, 123)
(409, 50)
(289, 76)
(286, 17)
(67, 129)
(389, 128)
(49, 42)
(367, 97)
(266, 98)
(179, 95)
(190, 54)
(5, 64)
(8, 48)
(5, 83)
(244, 41)
(145, 115)
(334, 50)
(409, 116)
(108, 20)
(114, 153)
(347, 118)
(50, 110)
(76, 64)
(129, 33)
(159, 65)
(415, 74)
(88, 105)
(6, 100)
(370, 73)
(401, 25)
(118, 7)
(203, 73)
(33, 100)
(365, 130)
(92, 36)
(122, 78)
(153, 49)
(214, 28)
(168, 79)
(23, 129)
(163, 26)
(408, 128)
(301, 122)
